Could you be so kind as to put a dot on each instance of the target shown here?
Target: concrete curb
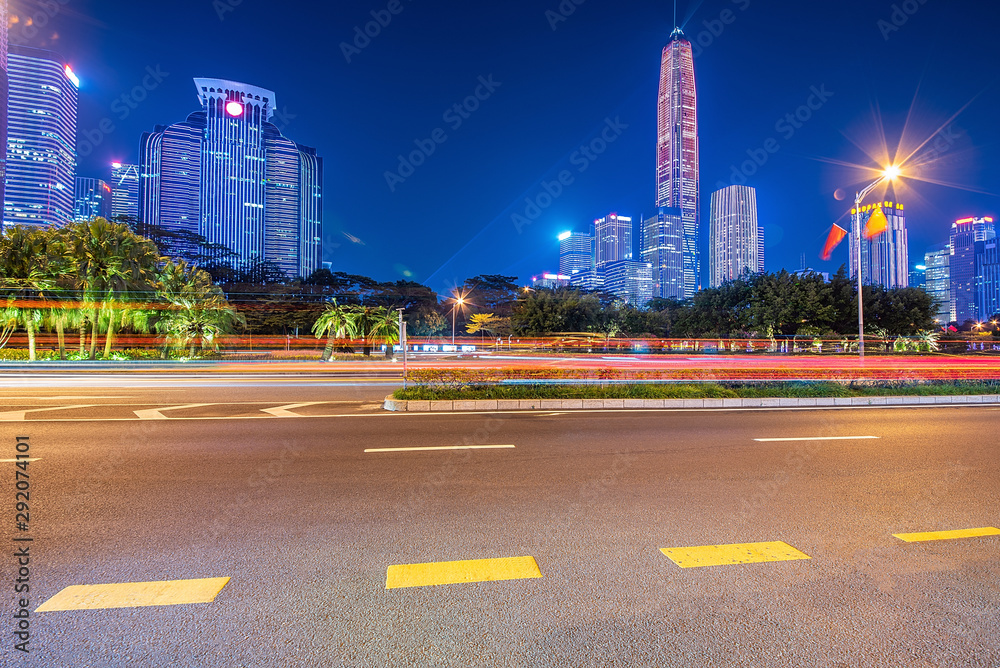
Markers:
(603, 404)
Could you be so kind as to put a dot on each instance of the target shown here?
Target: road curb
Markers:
(409, 406)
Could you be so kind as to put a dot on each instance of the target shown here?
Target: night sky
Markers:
(550, 92)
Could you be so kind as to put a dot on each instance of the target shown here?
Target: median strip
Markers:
(135, 594)
(441, 447)
(924, 536)
(737, 553)
(457, 572)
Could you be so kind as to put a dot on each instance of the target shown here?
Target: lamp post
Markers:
(458, 302)
(889, 174)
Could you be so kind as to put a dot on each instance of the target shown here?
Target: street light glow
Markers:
(891, 172)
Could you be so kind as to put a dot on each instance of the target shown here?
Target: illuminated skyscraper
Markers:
(229, 174)
(41, 138)
(92, 199)
(663, 249)
(968, 247)
(885, 260)
(124, 190)
(3, 97)
(677, 156)
(735, 238)
(576, 253)
(612, 240)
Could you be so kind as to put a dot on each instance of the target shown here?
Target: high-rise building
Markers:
(965, 234)
(229, 174)
(677, 157)
(124, 190)
(630, 281)
(612, 239)
(3, 98)
(92, 199)
(576, 253)
(885, 259)
(663, 249)
(987, 279)
(41, 138)
(938, 282)
(549, 281)
(734, 238)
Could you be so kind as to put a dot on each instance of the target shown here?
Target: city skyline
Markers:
(135, 93)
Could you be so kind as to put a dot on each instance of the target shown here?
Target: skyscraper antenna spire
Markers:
(675, 13)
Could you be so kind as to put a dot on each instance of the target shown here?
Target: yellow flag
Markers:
(877, 224)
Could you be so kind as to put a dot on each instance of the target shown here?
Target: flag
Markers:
(837, 234)
(877, 224)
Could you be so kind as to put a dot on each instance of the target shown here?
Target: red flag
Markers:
(837, 234)
(877, 224)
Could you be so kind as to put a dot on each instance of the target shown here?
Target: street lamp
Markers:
(890, 173)
(458, 302)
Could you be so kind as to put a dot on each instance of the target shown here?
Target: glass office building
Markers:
(735, 238)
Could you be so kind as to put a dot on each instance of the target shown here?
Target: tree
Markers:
(336, 322)
(196, 312)
(24, 256)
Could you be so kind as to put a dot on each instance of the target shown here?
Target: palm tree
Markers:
(336, 322)
(111, 261)
(197, 311)
(376, 322)
(23, 256)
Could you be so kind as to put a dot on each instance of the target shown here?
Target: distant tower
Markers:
(966, 235)
(41, 138)
(663, 249)
(124, 190)
(734, 239)
(92, 199)
(576, 253)
(938, 282)
(677, 154)
(612, 239)
(885, 260)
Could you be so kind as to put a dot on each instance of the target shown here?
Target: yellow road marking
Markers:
(740, 553)
(135, 594)
(452, 572)
(947, 535)
(441, 447)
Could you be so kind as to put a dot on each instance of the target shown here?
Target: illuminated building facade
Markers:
(229, 174)
(576, 253)
(937, 282)
(663, 250)
(4, 86)
(124, 190)
(885, 260)
(677, 184)
(968, 237)
(92, 199)
(549, 281)
(612, 239)
(735, 238)
(630, 281)
(41, 138)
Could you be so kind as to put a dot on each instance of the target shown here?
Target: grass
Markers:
(695, 391)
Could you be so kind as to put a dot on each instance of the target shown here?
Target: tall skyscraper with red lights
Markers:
(677, 159)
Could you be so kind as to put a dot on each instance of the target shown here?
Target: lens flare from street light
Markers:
(891, 172)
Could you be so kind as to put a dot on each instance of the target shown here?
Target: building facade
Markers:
(228, 174)
(677, 180)
(885, 259)
(734, 239)
(41, 138)
(576, 253)
(124, 190)
(937, 283)
(630, 281)
(549, 281)
(965, 234)
(612, 239)
(92, 199)
(987, 280)
(4, 87)
(663, 250)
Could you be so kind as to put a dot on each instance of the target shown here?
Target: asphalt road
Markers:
(305, 524)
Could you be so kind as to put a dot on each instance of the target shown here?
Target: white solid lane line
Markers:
(441, 447)
(817, 438)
